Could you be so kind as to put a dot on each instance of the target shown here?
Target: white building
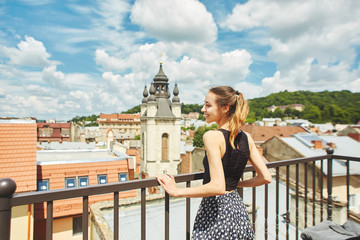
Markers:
(160, 128)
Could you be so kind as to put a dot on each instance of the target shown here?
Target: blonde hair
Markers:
(238, 108)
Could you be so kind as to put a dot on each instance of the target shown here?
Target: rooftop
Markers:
(344, 146)
(263, 133)
(49, 157)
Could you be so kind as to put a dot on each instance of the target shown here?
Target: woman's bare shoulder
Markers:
(213, 137)
(212, 134)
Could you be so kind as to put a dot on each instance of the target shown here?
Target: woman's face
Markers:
(212, 112)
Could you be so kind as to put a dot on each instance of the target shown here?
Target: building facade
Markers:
(59, 169)
(18, 162)
(309, 145)
(123, 126)
(160, 128)
(50, 132)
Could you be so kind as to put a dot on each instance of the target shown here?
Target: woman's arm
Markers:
(263, 175)
(215, 147)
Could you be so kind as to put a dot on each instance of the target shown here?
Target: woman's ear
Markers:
(225, 109)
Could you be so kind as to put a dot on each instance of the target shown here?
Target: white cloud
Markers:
(30, 53)
(113, 12)
(54, 78)
(355, 85)
(175, 20)
(37, 3)
(38, 90)
(249, 90)
(109, 63)
(13, 105)
(312, 42)
(195, 71)
(2, 93)
(81, 98)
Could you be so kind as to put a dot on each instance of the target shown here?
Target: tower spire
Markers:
(176, 93)
(145, 94)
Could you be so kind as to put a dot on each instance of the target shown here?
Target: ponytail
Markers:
(238, 118)
(238, 108)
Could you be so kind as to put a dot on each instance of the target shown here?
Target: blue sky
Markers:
(60, 59)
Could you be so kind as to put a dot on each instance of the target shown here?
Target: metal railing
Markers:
(8, 200)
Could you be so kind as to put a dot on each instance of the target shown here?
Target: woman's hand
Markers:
(168, 183)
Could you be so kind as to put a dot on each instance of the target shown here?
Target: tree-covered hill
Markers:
(320, 107)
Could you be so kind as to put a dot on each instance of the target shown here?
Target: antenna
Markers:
(161, 57)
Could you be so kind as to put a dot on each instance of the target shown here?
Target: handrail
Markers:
(59, 194)
(9, 200)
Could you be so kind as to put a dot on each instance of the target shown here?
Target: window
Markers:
(102, 179)
(123, 177)
(65, 132)
(164, 147)
(77, 225)
(70, 182)
(43, 185)
(354, 201)
(83, 181)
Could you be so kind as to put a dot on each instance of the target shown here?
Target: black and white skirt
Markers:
(222, 217)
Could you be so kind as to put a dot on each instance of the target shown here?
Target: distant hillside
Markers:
(320, 107)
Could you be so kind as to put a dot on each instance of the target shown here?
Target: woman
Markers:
(222, 213)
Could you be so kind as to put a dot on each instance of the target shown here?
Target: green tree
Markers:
(201, 117)
(312, 113)
(278, 113)
(198, 135)
(251, 117)
(133, 110)
(137, 137)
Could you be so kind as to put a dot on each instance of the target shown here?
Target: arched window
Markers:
(165, 147)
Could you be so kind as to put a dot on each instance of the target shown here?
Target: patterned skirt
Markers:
(222, 217)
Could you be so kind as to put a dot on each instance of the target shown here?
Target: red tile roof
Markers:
(53, 125)
(119, 117)
(263, 133)
(18, 154)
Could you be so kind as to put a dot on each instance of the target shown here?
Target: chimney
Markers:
(317, 144)
(112, 146)
(355, 136)
(332, 145)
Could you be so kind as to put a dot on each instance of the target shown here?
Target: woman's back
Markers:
(233, 160)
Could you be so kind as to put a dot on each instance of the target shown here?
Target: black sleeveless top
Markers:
(234, 160)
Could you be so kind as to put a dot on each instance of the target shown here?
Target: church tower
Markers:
(160, 128)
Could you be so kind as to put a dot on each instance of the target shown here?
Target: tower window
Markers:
(165, 147)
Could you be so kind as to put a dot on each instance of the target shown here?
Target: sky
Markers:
(61, 59)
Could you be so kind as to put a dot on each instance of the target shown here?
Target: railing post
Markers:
(329, 151)
(7, 189)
